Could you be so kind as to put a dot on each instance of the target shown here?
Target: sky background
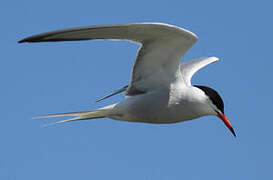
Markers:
(37, 79)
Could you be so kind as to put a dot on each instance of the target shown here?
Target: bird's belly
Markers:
(155, 108)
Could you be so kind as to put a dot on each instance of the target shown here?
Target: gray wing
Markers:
(158, 59)
(188, 69)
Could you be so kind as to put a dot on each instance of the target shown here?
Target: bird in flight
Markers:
(160, 89)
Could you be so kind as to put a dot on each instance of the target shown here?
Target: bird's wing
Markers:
(157, 62)
(113, 93)
(188, 69)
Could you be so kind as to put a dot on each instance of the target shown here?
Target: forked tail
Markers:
(83, 115)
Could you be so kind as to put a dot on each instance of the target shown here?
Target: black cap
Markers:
(214, 97)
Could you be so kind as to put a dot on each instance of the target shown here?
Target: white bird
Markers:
(160, 89)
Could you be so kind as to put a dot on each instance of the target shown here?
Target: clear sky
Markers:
(37, 79)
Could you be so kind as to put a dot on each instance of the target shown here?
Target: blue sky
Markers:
(38, 79)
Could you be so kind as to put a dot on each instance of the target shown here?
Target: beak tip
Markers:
(227, 123)
(233, 132)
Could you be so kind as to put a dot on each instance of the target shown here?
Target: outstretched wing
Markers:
(157, 62)
(188, 69)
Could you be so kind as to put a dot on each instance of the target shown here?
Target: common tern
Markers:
(160, 89)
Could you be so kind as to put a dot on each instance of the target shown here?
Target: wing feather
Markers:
(158, 59)
(188, 69)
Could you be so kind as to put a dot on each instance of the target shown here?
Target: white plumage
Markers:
(160, 89)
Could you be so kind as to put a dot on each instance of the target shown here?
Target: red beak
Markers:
(227, 123)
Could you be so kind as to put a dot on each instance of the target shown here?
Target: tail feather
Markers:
(61, 121)
(100, 113)
(63, 114)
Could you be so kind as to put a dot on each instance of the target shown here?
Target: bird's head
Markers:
(217, 104)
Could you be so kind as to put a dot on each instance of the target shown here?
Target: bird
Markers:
(160, 89)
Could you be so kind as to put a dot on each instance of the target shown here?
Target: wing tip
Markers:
(34, 38)
(20, 41)
(215, 59)
(29, 39)
(44, 37)
(23, 40)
